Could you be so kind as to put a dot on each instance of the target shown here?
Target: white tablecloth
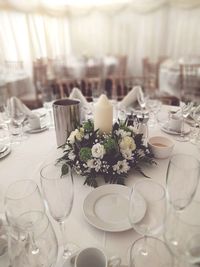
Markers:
(25, 161)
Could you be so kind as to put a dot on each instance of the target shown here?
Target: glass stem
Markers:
(34, 249)
(144, 249)
(182, 128)
(66, 252)
(174, 240)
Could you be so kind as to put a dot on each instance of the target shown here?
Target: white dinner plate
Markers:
(39, 130)
(106, 208)
(5, 152)
(166, 129)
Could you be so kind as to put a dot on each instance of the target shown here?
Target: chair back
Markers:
(190, 82)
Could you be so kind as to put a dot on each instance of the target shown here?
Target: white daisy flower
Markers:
(121, 167)
(94, 164)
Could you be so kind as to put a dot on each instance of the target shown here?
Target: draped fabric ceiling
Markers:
(137, 28)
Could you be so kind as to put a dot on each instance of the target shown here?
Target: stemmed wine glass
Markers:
(185, 111)
(19, 250)
(58, 189)
(147, 211)
(23, 197)
(161, 256)
(182, 179)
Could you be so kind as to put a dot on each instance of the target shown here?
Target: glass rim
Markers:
(187, 155)
(42, 176)
(163, 195)
(26, 194)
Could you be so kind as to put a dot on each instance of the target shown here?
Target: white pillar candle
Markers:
(103, 115)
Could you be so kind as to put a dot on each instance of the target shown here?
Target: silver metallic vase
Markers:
(66, 117)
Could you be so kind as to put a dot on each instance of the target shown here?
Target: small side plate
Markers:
(166, 129)
(39, 130)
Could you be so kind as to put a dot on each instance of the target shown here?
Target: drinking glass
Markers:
(158, 255)
(58, 189)
(147, 209)
(22, 197)
(182, 180)
(20, 250)
(153, 105)
(185, 111)
(48, 98)
(187, 234)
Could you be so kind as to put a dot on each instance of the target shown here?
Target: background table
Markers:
(25, 162)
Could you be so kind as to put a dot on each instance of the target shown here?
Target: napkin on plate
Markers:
(131, 97)
(16, 104)
(77, 94)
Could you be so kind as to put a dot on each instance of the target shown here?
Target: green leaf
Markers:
(65, 169)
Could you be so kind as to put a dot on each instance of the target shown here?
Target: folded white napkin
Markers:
(16, 104)
(77, 94)
(131, 97)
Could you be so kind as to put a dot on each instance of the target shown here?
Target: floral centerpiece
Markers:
(92, 154)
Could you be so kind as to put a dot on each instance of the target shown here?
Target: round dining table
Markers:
(26, 160)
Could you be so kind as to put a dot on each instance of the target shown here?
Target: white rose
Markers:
(98, 151)
(75, 134)
(127, 143)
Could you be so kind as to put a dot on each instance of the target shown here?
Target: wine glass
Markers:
(45, 240)
(58, 189)
(22, 197)
(153, 105)
(182, 180)
(185, 111)
(147, 209)
(159, 254)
